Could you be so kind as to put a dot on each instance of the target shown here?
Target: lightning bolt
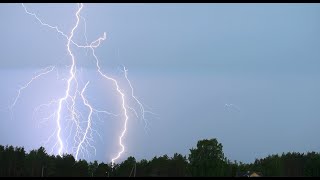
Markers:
(119, 91)
(82, 137)
(142, 109)
(85, 101)
(45, 71)
(72, 76)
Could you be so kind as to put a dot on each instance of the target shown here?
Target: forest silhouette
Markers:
(206, 159)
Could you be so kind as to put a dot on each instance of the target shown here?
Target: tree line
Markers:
(206, 159)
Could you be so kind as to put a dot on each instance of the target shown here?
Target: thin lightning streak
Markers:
(140, 105)
(85, 101)
(85, 32)
(134, 111)
(43, 105)
(47, 70)
(47, 118)
(43, 23)
(105, 112)
(54, 27)
(49, 140)
(142, 109)
(232, 105)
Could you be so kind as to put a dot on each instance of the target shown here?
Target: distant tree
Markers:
(104, 170)
(127, 167)
(160, 166)
(312, 165)
(231, 168)
(143, 168)
(93, 168)
(9, 160)
(65, 165)
(81, 169)
(178, 166)
(2, 159)
(19, 161)
(36, 162)
(51, 168)
(207, 159)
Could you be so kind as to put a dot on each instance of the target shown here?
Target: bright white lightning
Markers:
(72, 75)
(72, 110)
(85, 102)
(122, 97)
(81, 139)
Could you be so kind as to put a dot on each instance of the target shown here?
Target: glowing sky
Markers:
(185, 61)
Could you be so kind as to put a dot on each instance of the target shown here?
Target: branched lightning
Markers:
(119, 91)
(83, 136)
(142, 109)
(72, 76)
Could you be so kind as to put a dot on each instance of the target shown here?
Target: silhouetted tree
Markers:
(178, 166)
(207, 159)
(127, 167)
(93, 168)
(143, 168)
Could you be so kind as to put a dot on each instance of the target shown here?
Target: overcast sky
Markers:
(185, 62)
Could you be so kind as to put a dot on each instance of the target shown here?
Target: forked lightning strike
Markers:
(72, 76)
(85, 102)
(83, 136)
